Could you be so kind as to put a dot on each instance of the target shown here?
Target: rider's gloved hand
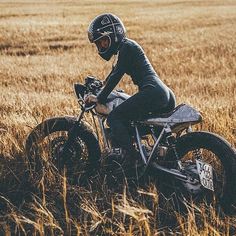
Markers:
(90, 99)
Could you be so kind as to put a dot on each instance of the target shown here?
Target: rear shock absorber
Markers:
(171, 140)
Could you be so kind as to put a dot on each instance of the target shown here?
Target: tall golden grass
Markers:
(44, 49)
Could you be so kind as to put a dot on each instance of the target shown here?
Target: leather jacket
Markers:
(132, 61)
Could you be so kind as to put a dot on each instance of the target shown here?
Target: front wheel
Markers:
(46, 141)
(217, 165)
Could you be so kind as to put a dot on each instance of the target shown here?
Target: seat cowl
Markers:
(181, 114)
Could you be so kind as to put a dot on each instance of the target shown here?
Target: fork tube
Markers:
(80, 116)
(140, 145)
(103, 134)
(63, 155)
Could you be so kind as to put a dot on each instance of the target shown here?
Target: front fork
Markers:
(64, 154)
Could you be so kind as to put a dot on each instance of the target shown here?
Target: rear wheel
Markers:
(212, 152)
(46, 141)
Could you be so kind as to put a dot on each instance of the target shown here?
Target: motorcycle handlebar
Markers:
(89, 106)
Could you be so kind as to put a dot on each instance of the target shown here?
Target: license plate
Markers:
(205, 172)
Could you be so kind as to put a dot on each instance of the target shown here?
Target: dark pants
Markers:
(148, 100)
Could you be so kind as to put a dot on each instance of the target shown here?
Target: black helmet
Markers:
(110, 26)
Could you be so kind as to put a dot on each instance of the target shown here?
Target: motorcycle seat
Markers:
(181, 114)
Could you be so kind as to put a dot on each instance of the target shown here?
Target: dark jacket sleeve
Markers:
(115, 76)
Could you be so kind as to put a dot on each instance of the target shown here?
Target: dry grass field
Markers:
(44, 49)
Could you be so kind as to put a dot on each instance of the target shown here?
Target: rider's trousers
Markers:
(148, 100)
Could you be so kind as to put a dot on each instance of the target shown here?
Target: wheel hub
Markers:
(57, 146)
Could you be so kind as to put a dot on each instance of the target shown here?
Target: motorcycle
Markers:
(200, 163)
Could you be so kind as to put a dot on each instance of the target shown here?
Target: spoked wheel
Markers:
(44, 147)
(48, 161)
(209, 162)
